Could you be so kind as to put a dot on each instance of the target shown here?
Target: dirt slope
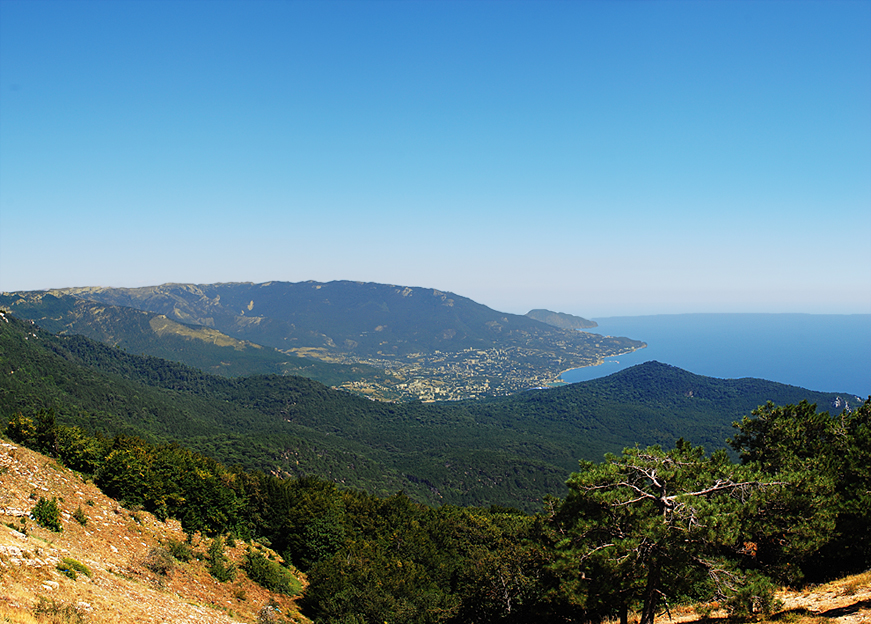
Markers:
(114, 544)
(845, 601)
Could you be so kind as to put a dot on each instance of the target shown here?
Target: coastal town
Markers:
(467, 374)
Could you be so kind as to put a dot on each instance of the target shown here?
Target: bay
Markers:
(825, 352)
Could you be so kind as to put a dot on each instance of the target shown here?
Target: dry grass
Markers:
(128, 583)
(854, 584)
(845, 601)
(15, 606)
(14, 615)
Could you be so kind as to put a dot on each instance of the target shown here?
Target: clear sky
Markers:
(597, 158)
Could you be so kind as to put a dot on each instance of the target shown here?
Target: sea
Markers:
(824, 352)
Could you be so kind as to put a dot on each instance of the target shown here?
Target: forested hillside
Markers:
(510, 451)
(645, 532)
(149, 333)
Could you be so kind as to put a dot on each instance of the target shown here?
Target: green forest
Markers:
(639, 531)
(640, 528)
(510, 451)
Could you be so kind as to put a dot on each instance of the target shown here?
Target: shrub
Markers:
(80, 516)
(218, 564)
(47, 514)
(755, 596)
(270, 614)
(159, 561)
(70, 567)
(20, 429)
(270, 574)
(57, 611)
(180, 550)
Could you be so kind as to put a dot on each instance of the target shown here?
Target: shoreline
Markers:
(600, 362)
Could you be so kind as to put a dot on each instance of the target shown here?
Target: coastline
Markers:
(600, 362)
(821, 352)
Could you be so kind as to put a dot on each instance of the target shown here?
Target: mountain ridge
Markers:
(561, 319)
(211, 305)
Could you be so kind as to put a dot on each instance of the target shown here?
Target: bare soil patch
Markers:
(117, 546)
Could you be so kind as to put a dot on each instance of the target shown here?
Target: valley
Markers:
(222, 496)
(510, 450)
(435, 312)
(468, 374)
(385, 342)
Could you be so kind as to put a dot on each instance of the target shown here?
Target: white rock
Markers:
(12, 551)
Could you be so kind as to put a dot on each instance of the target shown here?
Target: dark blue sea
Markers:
(825, 352)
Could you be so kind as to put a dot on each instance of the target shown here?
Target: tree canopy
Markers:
(653, 526)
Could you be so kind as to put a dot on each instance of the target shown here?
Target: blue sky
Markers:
(595, 158)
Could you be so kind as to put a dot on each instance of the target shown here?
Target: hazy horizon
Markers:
(822, 352)
(523, 311)
(597, 158)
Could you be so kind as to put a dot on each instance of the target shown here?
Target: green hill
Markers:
(273, 423)
(651, 403)
(508, 451)
(150, 333)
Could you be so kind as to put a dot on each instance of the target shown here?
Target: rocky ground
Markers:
(120, 548)
(845, 601)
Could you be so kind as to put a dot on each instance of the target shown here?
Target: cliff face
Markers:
(131, 577)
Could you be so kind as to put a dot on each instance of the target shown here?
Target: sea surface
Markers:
(825, 352)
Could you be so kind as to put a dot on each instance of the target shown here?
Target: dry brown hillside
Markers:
(132, 579)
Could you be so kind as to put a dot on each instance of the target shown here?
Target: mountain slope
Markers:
(509, 451)
(150, 333)
(651, 403)
(436, 345)
(561, 319)
(131, 578)
(363, 318)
